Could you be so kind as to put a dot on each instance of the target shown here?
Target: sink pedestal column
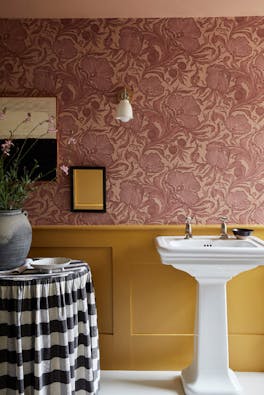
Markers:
(209, 374)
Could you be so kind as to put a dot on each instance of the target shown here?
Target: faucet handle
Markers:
(223, 234)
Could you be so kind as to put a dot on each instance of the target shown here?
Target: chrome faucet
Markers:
(188, 228)
(223, 234)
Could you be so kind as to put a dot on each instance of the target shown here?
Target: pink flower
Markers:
(6, 147)
(52, 125)
(3, 113)
(28, 118)
(65, 169)
(72, 140)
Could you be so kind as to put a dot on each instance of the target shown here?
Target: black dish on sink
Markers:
(241, 232)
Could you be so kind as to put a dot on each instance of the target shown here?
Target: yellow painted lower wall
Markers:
(146, 309)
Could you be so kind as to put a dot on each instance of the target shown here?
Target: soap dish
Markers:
(241, 233)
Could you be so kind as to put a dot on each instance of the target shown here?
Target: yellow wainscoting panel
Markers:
(246, 303)
(152, 352)
(246, 352)
(169, 309)
(145, 309)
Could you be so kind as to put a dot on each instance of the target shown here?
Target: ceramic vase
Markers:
(15, 238)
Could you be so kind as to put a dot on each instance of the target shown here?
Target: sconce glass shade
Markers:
(124, 111)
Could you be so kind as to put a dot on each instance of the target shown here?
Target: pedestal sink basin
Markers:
(212, 261)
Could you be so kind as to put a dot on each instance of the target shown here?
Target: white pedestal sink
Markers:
(212, 262)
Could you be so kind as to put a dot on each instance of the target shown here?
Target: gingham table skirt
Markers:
(49, 335)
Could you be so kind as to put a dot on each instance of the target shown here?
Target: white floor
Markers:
(126, 382)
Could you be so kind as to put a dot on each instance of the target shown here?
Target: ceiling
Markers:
(129, 8)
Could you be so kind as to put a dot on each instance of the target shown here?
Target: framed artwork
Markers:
(88, 188)
(31, 123)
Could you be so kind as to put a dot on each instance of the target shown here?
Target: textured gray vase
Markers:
(15, 238)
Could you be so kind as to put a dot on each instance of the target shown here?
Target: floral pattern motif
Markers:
(196, 143)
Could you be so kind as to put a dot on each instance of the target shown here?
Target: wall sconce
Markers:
(124, 110)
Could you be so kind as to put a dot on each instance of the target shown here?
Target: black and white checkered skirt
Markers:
(49, 335)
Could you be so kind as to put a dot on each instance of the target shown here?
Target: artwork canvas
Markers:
(39, 127)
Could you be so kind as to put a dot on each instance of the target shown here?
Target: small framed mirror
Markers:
(88, 188)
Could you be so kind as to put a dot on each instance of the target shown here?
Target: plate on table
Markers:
(50, 264)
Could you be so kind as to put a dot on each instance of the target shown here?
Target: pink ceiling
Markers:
(132, 8)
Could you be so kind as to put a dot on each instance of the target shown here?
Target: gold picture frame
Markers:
(88, 188)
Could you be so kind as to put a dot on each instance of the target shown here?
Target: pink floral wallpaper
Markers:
(196, 144)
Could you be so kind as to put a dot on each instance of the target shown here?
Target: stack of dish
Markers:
(47, 265)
